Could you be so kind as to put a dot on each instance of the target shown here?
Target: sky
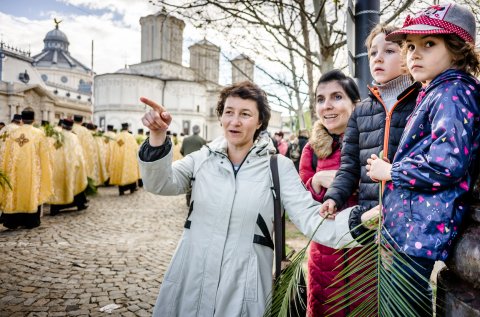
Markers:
(112, 25)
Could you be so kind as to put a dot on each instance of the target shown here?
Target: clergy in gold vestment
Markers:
(101, 158)
(27, 165)
(5, 133)
(89, 147)
(177, 145)
(140, 139)
(109, 138)
(69, 172)
(124, 164)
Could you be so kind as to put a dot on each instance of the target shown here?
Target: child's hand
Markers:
(371, 217)
(387, 258)
(378, 169)
(323, 179)
(328, 209)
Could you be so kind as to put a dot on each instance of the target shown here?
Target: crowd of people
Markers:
(416, 135)
(58, 165)
(414, 140)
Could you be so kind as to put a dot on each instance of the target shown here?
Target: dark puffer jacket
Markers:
(370, 130)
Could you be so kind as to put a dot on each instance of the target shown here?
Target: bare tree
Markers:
(294, 40)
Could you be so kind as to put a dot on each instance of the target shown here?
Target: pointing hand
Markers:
(157, 121)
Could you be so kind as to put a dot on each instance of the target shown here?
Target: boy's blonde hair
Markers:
(379, 29)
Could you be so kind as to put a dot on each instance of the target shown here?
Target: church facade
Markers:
(189, 93)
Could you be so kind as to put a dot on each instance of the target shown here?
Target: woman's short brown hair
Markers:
(247, 90)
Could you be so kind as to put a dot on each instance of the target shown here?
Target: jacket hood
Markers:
(261, 147)
(321, 141)
(452, 74)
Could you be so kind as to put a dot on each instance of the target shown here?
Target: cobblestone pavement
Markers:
(114, 252)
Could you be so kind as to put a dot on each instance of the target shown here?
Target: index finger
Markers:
(152, 104)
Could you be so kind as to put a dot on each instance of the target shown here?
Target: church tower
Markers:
(162, 38)
(205, 60)
(242, 68)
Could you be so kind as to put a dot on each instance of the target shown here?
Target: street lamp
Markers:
(361, 18)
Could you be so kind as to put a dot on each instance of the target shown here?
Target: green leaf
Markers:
(91, 189)
(51, 132)
(4, 181)
(387, 292)
(380, 285)
(286, 287)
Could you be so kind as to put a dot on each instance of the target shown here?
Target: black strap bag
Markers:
(298, 304)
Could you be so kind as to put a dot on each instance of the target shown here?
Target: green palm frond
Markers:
(56, 135)
(91, 189)
(4, 181)
(286, 288)
(377, 276)
(141, 138)
(378, 283)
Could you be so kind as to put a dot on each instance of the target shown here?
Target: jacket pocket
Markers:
(407, 203)
(251, 283)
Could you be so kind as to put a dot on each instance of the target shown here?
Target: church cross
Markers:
(22, 140)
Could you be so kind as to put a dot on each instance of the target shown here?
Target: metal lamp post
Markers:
(361, 18)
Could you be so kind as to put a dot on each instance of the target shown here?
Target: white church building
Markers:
(188, 93)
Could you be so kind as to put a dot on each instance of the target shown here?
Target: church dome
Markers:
(56, 35)
(55, 52)
(56, 39)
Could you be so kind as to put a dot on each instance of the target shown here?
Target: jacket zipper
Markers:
(233, 167)
(388, 117)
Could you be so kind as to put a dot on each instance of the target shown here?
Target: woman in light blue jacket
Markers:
(223, 263)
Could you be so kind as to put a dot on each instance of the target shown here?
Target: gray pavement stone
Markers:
(143, 313)
(133, 308)
(29, 301)
(116, 251)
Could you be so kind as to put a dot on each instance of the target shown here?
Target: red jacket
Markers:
(323, 261)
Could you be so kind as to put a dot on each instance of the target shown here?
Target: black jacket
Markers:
(302, 141)
(369, 130)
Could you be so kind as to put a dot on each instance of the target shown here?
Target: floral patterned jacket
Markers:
(433, 169)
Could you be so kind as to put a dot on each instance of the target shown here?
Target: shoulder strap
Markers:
(279, 219)
(314, 161)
